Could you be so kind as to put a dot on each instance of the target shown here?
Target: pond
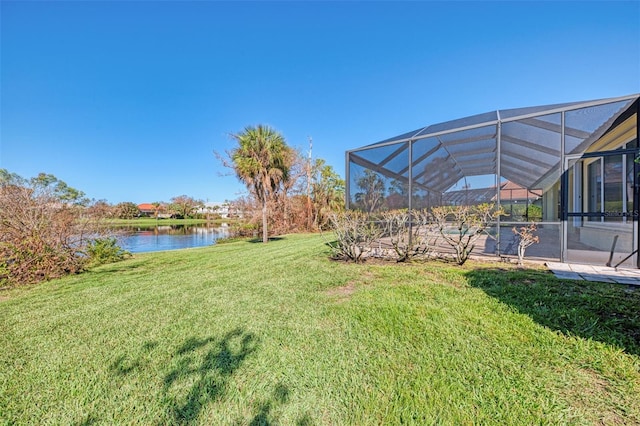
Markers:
(169, 237)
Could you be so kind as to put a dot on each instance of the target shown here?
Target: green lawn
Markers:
(248, 334)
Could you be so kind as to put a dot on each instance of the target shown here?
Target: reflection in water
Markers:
(169, 237)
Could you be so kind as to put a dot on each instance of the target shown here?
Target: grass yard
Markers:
(249, 334)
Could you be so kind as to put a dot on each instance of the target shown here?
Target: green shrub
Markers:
(101, 251)
(244, 229)
(534, 212)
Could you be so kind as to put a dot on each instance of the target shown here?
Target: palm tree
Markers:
(261, 160)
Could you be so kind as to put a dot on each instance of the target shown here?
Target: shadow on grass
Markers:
(604, 312)
(259, 240)
(199, 375)
(202, 370)
(123, 365)
(88, 421)
(265, 415)
(121, 266)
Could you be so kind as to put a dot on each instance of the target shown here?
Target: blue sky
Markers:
(127, 101)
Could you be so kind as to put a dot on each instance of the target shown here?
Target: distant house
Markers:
(221, 209)
(510, 193)
(147, 210)
(224, 210)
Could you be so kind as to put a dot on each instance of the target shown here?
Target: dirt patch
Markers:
(4, 293)
(343, 292)
(598, 384)
(596, 387)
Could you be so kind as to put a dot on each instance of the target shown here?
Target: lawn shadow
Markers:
(124, 365)
(259, 240)
(600, 311)
(126, 266)
(203, 368)
(265, 415)
(87, 421)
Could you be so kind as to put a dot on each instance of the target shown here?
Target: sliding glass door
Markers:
(601, 212)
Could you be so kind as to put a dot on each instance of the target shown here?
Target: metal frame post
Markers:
(410, 171)
(498, 173)
(347, 182)
(636, 186)
(564, 196)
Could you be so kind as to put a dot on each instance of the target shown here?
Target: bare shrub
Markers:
(526, 237)
(462, 226)
(100, 208)
(355, 234)
(43, 232)
(409, 233)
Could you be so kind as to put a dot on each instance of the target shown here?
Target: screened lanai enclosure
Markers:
(571, 168)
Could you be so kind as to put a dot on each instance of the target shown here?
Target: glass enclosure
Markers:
(571, 168)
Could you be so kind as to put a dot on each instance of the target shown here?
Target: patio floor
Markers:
(573, 271)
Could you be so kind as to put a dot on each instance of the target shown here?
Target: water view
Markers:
(170, 237)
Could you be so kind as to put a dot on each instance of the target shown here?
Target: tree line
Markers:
(180, 207)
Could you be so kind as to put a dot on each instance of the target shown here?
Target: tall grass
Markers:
(246, 333)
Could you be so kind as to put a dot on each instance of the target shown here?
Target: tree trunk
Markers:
(265, 234)
(521, 249)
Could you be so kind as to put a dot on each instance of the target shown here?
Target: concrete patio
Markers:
(571, 271)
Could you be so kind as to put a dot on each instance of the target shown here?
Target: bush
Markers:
(534, 213)
(101, 251)
(462, 226)
(409, 233)
(43, 233)
(355, 234)
(244, 229)
(402, 236)
(526, 237)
